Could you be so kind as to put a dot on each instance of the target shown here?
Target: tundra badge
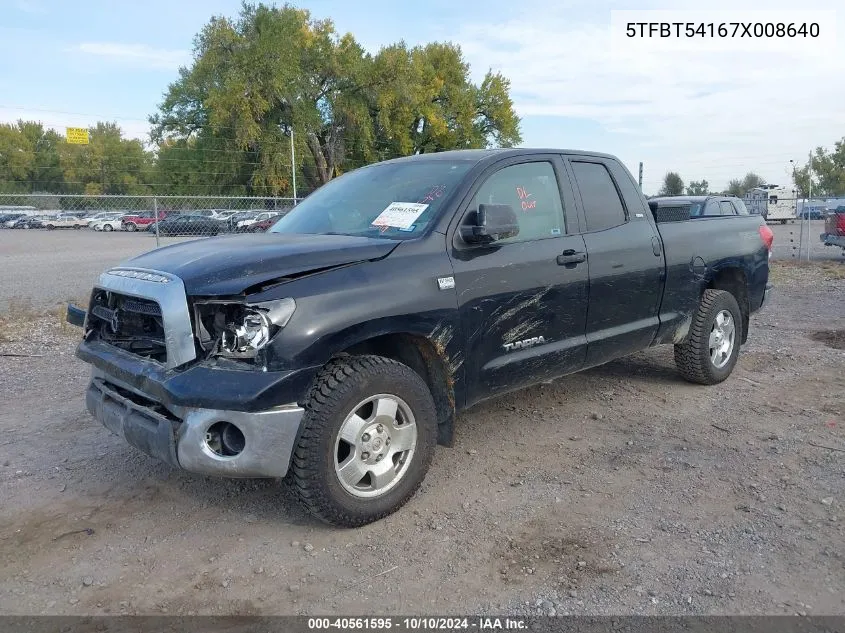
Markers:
(529, 342)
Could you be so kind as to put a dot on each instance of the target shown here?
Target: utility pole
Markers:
(641, 176)
(809, 200)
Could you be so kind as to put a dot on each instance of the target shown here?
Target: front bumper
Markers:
(179, 435)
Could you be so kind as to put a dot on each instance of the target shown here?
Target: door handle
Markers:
(570, 256)
(655, 246)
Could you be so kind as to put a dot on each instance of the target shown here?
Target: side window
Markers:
(711, 208)
(727, 207)
(531, 190)
(741, 209)
(602, 204)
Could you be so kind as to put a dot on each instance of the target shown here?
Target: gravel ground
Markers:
(620, 490)
(52, 267)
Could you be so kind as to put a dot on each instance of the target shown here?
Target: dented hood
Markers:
(230, 264)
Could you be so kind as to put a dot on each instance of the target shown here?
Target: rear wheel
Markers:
(131, 226)
(368, 437)
(108, 227)
(712, 347)
(50, 227)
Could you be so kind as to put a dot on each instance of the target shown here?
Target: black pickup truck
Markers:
(338, 347)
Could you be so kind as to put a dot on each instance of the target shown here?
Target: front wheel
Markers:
(712, 347)
(108, 228)
(50, 227)
(367, 440)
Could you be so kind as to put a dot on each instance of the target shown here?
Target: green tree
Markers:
(826, 171)
(698, 188)
(426, 102)
(29, 158)
(739, 187)
(109, 164)
(275, 72)
(673, 185)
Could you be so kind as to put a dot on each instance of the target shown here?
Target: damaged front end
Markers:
(187, 380)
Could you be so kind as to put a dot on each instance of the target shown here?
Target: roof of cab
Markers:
(479, 155)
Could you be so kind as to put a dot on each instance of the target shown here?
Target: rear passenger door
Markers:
(625, 260)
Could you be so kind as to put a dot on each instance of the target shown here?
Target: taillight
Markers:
(767, 236)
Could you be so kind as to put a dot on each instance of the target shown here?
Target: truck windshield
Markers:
(389, 200)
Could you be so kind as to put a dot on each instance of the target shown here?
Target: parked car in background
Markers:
(108, 224)
(815, 212)
(834, 228)
(234, 219)
(262, 225)
(29, 222)
(141, 220)
(104, 215)
(64, 221)
(8, 219)
(188, 224)
(243, 226)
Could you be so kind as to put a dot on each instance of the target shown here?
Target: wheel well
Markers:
(420, 354)
(733, 280)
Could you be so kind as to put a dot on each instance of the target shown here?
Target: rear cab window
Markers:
(727, 208)
(603, 206)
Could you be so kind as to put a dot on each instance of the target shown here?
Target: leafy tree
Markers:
(425, 102)
(275, 72)
(739, 188)
(698, 188)
(29, 158)
(109, 164)
(673, 185)
(826, 171)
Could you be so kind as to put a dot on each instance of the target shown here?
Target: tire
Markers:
(108, 228)
(77, 226)
(783, 222)
(695, 359)
(341, 388)
(131, 226)
(50, 227)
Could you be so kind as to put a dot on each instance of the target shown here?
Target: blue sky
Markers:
(711, 114)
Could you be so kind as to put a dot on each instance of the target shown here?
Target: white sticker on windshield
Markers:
(400, 215)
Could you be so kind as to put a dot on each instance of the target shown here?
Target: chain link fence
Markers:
(161, 216)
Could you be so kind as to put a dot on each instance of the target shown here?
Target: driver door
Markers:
(523, 300)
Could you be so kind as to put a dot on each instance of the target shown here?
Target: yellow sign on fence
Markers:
(77, 135)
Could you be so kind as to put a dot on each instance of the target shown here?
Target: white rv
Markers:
(775, 203)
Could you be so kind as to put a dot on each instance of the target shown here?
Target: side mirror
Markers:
(492, 222)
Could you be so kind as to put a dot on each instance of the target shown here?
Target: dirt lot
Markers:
(621, 490)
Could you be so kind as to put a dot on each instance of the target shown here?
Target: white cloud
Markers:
(706, 114)
(139, 55)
